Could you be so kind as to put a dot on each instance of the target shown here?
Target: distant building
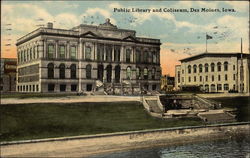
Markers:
(167, 83)
(214, 72)
(86, 58)
(8, 74)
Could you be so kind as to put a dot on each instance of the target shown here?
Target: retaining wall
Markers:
(81, 146)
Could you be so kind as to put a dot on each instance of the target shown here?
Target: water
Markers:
(234, 148)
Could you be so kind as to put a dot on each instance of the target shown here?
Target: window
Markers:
(51, 50)
(50, 70)
(226, 87)
(225, 66)
(153, 87)
(194, 78)
(200, 68)
(138, 56)
(200, 78)
(62, 51)
(225, 77)
(62, 71)
(153, 73)
(189, 69)
(109, 73)
(31, 54)
(88, 71)
(128, 72)
(117, 53)
(145, 57)
(182, 71)
(128, 54)
(73, 71)
(89, 87)
(73, 87)
(37, 88)
(234, 77)
(219, 66)
(233, 67)
(34, 52)
(206, 67)
(182, 79)
(87, 53)
(62, 87)
(117, 73)
(51, 87)
(27, 57)
(218, 77)
(195, 69)
(138, 73)
(37, 51)
(149, 57)
(154, 58)
(100, 52)
(100, 72)
(212, 87)
(212, 77)
(179, 76)
(212, 67)
(219, 87)
(189, 79)
(73, 52)
(145, 73)
(108, 53)
(206, 78)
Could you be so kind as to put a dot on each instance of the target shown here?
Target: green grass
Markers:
(32, 121)
(32, 95)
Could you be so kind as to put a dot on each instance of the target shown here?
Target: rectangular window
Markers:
(153, 87)
(212, 77)
(234, 77)
(117, 53)
(89, 87)
(218, 77)
(226, 87)
(206, 78)
(138, 56)
(51, 51)
(194, 78)
(73, 87)
(225, 77)
(189, 79)
(87, 53)
(219, 87)
(100, 52)
(182, 79)
(108, 53)
(62, 87)
(51, 87)
(62, 52)
(233, 67)
(200, 78)
(73, 52)
(128, 53)
(179, 76)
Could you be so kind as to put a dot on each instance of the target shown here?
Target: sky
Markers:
(182, 34)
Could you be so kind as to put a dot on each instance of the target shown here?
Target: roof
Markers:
(214, 54)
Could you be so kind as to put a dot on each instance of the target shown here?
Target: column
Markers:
(80, 68)
(67, 51)
(95, 52)
(56, 49)
(44, 48)
(104, 53)
(121, 54)
(83, 51)
(113, 53)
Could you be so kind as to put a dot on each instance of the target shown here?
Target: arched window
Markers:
(73, 52)
(138, 73)
(219, 66)
(195, 68)
(87, 53)
(128, 72)
(145, 73)
(88, 71)
(128, 54)
(73, 71)
(189, 69)
(212, 67)
(61, 71)
(153, 73)
(117, 73)
(51, 50)
(212, 88)
(206, 67)
(50, 70)
(225, 66)
(200, 68)
(109, 73)
(62, 51)
(100, 72)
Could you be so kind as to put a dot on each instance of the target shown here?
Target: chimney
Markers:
(50, 25)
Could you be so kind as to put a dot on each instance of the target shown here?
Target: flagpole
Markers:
(206, 42)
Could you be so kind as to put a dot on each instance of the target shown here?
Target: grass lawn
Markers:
(32, 95)
(32, 121)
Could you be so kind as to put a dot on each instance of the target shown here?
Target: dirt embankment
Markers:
(82, 146)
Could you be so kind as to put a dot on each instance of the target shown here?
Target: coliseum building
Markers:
(214, 72)
(87, 58)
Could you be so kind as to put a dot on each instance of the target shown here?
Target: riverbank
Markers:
(82, 146)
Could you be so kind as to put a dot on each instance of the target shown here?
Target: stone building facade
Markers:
(87, 58)
(215, 72)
